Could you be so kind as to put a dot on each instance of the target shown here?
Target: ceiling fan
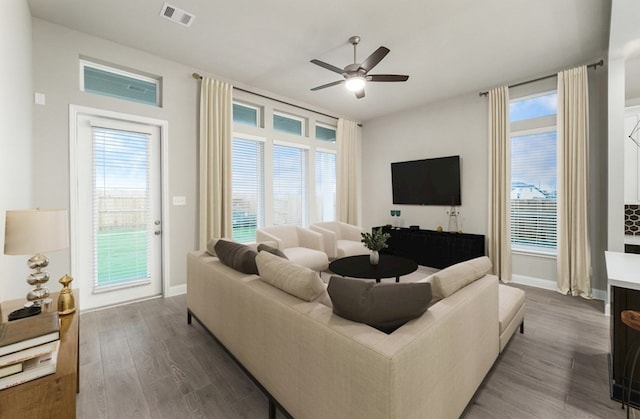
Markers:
(356, 75)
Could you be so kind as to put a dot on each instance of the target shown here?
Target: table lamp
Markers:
(32, 232)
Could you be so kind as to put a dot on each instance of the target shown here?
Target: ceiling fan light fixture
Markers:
(355, 84)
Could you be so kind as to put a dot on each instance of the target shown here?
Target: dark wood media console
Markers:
(432, 248)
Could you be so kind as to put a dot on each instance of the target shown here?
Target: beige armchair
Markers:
(299, 245)
(340, 239)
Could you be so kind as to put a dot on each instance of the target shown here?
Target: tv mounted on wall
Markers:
(427, 182)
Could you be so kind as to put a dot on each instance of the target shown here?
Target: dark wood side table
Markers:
(52, 396)
(360, 267)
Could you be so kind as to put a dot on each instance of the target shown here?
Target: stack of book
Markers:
(28, 348)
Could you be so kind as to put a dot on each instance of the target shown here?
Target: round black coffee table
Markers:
(360, 267)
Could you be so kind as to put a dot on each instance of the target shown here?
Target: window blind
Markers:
(325, 186)
(121, 207)
(289, 185)
(534, 191)
(247, 185)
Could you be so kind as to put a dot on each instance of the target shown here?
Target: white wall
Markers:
(15, 134)
(56, 51)
(458, 126)
(453, 127)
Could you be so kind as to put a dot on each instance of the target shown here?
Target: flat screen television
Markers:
(427, 182)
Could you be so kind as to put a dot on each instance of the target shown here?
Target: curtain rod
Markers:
(199, 77)
(593, 65)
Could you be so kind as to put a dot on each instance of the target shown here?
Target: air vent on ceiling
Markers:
(176, 15)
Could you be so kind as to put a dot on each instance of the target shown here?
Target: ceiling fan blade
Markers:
(359, 93)
(373, 59)
(324, 86)
(387, 77)
(328, 66)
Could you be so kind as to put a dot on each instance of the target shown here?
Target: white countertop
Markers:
(623, 269)
(631, 239)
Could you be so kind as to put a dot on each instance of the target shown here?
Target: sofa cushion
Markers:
(272, 250)
(237, 256)
(311, 258)
(290, 277)
(385, 306)
(455, 277)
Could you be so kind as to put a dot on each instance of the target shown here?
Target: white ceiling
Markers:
(447, 47)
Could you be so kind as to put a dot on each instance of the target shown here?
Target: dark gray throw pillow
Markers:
(385, 306)
(237, 256)
(271, 250)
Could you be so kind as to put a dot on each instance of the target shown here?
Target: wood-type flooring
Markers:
(142, 360)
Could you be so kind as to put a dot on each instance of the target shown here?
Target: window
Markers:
(245, 114)
(109, 81)
(287, 123)
(282, 173)
(325, 133)
(121, 187)
(289, 185)
(534, 173)
(247, 188)
(325, 185)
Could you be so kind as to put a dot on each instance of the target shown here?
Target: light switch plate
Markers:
(179, 200)
(39, 98)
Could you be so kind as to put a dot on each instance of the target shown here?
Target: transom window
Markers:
(325, 133)
(534, 173)
(114, 82)
(287, 123)
(246, 114)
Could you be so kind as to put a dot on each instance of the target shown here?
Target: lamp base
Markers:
(24, 312)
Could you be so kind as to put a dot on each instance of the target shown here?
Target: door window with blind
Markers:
(116, 206)
(121, 207)
(534, 173)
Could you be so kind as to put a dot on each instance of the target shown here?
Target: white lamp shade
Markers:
(28, 232)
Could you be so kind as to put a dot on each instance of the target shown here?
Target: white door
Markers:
(118, 218)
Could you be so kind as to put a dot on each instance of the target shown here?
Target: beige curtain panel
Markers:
(215, 159)
(348, 171)
(499, 183)
(574, 262)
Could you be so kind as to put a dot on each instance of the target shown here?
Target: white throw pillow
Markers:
(455, 277)
(290, 277)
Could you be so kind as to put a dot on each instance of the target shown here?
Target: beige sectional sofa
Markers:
(314, 364)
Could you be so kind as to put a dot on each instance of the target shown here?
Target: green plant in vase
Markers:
(375, 241)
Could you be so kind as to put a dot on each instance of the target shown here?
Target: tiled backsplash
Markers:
(632, 219)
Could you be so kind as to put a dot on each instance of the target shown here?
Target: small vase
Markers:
(374, 257)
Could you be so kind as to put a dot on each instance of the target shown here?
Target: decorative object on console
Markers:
(375, 241)
(66, 302)
(453, 219)
(396, 222)
(30, 232)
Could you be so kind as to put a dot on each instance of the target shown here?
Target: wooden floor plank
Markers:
(143, 360)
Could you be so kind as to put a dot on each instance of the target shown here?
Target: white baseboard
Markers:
(551, 285)
(176, 290)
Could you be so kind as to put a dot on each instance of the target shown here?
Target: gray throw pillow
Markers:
(237, 256)
(385, 306)
(272, 250)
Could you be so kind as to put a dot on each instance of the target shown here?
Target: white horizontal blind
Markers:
(289, 185)
(534, 191)
(121, 207)
(325, 186)
(247, 184)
